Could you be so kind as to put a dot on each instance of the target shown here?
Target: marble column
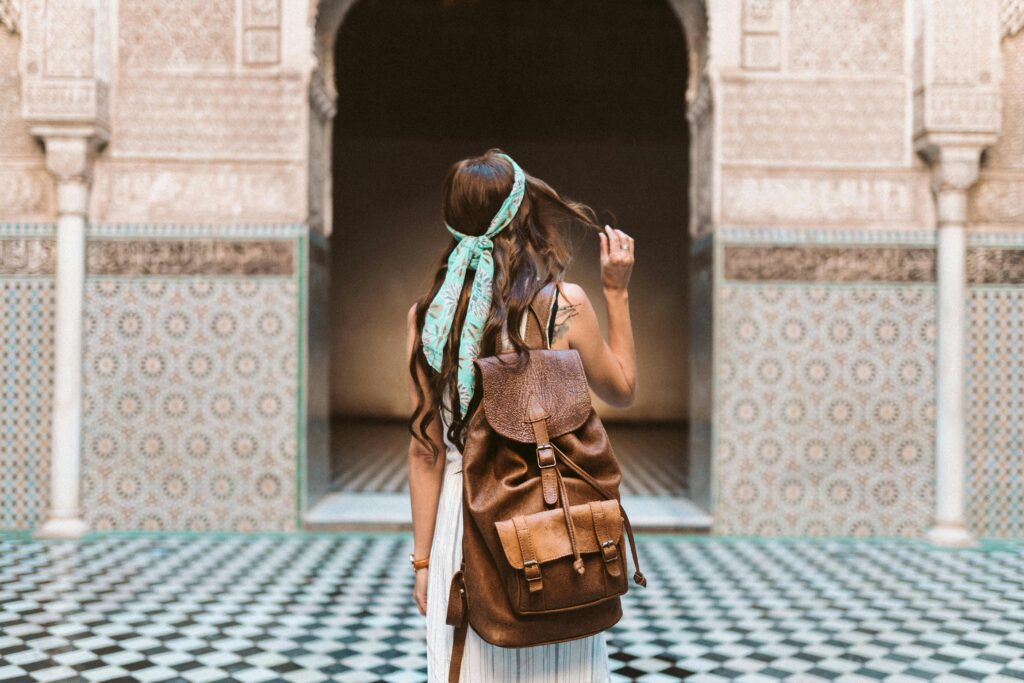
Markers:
(68, 158)
(955, 168)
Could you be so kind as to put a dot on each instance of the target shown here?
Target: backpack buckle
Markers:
(545, 455)
(531, 568)
(610, 552)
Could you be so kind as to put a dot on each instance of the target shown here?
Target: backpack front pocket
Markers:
(539, 557)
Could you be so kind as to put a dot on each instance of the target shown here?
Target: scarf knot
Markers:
(478, 247)
(472, 251)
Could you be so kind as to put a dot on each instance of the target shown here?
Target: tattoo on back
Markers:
(565, 313)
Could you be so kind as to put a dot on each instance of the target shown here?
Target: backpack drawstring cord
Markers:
(577, 563)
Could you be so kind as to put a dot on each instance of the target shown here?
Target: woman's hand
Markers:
(419, 590)
(616, 258)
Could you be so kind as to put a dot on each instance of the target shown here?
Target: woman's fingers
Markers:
(604, 246)
(613, 239)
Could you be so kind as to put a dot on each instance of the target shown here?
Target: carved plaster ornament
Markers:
(10, 12)
(1011, 17)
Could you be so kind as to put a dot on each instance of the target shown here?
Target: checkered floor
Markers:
(338, 608)
(370, 456)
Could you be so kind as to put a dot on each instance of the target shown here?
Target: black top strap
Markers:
(539, 316)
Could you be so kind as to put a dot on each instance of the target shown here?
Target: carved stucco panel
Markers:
(26, 192)
(179, 34)
(998, 198)
(139, 191)
(15, 140)
(832, 122)
(784, 197)
(853, 36)
(961, 47)
(69, 38)
(1011, 16)
(9, 14)
(26, 189)
(1008, 151)
(210, 116)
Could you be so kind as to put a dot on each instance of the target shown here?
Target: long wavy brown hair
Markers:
(528, 253)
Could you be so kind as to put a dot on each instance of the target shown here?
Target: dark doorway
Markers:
(588, 95)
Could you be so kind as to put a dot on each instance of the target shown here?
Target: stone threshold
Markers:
(369, 511)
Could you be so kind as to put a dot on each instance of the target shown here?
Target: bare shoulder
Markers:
(570, 293)
(572, 299)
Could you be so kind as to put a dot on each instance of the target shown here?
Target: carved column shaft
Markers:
(65, 102)
(69, 159)
(955, 169)
(956, 115)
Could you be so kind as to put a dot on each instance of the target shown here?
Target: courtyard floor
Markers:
(338, 607)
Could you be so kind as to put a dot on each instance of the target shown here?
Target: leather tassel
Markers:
(640, 578)
(577, 564)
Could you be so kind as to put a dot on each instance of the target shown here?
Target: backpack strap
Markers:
(539, 316)
(457, 617)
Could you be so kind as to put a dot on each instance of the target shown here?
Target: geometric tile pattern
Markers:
(302, 607)
(190, 403)
(26, 399)
(825, 409)
(995, 412)
(372, 456)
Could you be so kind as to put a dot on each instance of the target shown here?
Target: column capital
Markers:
(955, 160)
(70, 152)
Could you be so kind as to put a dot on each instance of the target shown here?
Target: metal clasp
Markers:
(533, 578)
(612, 554)
(547, 459)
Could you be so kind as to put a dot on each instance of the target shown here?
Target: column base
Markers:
(951, 535)
(62, 528)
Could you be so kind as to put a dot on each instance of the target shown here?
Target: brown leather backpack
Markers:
(542, 546)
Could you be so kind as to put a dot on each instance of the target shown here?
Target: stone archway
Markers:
(329, 15)
(323, 96)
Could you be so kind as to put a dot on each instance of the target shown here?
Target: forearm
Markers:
(620, 334)
(425, 480)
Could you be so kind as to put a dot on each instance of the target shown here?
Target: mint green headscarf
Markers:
(472, 251)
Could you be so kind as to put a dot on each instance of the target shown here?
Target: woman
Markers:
(506, 246)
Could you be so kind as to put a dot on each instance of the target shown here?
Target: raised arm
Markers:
(610, 366)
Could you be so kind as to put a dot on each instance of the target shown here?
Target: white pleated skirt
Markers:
(584, 660)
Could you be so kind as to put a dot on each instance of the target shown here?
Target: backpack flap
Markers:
(539, 553)
(556, 376)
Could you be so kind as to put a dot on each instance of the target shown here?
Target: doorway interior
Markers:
(589, 96)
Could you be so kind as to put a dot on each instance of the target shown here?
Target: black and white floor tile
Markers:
(316, 607)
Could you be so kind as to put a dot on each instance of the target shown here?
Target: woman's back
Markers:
(499, 253)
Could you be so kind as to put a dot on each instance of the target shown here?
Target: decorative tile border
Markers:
(193, 230)
(26, 256)
(999, 265)
(132, 257)
(27, 230)
(829, 263)
(769, 235)
(985, 263)
(1014, 238)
